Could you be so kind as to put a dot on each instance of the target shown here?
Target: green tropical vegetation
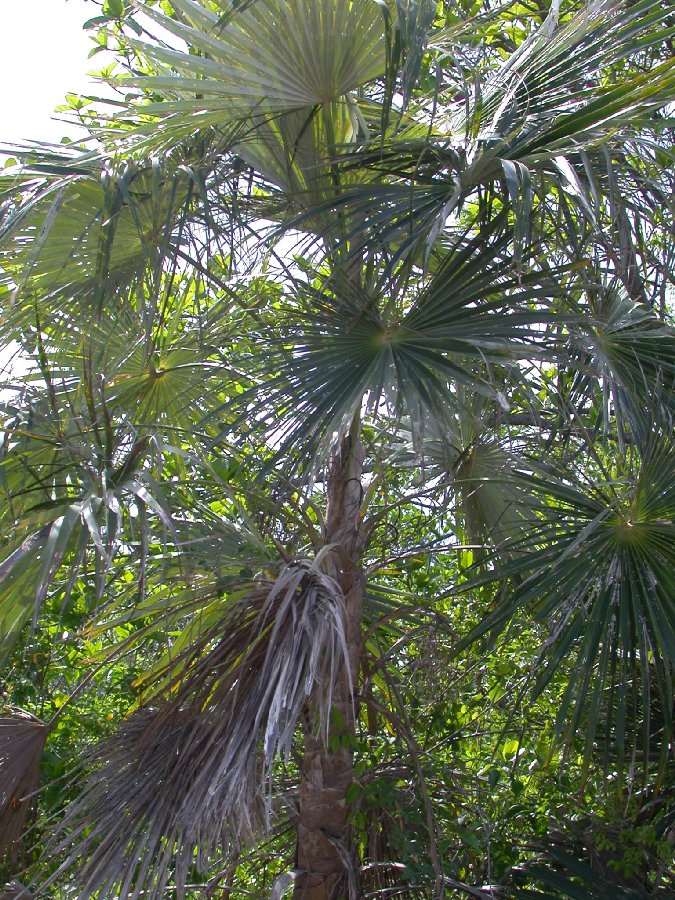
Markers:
(337, 552)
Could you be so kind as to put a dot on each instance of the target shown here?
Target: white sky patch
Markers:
(43, 56)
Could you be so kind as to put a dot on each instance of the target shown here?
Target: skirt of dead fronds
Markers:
(22, 740)
(188, 777)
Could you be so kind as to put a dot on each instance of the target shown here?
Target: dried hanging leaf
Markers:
(22, 740)
(187, 778)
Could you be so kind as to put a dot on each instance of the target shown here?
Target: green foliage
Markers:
(436, 233)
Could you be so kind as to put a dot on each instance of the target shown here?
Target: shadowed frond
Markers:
(186, 778)
(494, 504)
(470, 454)
(407, 351)
(17, 587)
(293, 153)
(599, 573)
(22, 740)
(631, 352)
(15, 891)
(561, 874)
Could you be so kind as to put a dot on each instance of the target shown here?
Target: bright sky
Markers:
(43, 56)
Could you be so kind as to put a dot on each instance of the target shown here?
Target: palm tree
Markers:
(324, 262)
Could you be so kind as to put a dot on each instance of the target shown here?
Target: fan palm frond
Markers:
(86, 234)
(496, 507)
(630, 350)
(275, 55)
(280, 73)
(351, 343)
(599, 573)
(293, 152)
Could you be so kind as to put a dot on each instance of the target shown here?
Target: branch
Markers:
(469, 889)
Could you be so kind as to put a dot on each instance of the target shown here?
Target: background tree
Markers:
(348, 397)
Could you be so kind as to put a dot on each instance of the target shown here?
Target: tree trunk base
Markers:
(322, 826)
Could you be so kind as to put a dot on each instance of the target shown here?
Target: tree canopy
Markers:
(337, 496)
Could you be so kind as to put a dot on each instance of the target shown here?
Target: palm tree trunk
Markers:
(324, 851)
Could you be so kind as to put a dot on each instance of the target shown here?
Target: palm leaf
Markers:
(599, 573)
(277, 77)
(276, 55)
(94, 233)
(22, 739)
(350, 343)
(293, 152)
(496, 507)
(186, 778)
(629, 350)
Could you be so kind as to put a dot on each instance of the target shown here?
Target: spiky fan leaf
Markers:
(598, 573)
(274, 56)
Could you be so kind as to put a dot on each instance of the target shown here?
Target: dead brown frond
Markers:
(191, 777)
(22, 740)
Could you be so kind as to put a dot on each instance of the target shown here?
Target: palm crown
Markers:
(215, 432)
